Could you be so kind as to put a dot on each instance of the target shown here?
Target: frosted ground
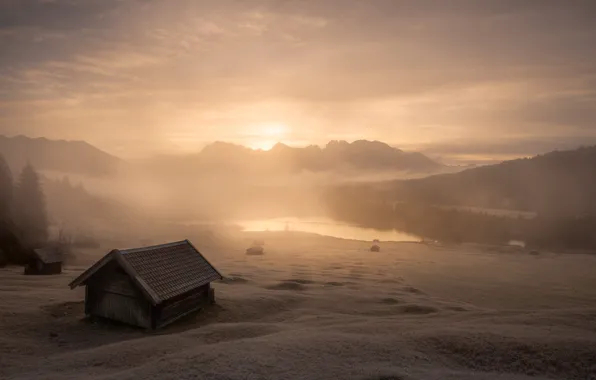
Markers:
(324, 308)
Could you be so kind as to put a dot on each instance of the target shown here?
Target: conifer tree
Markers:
(30, 208)
(6, 191)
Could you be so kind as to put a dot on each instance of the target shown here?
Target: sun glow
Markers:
(267, 135)
(274, 130)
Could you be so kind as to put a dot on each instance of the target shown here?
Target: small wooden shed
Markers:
(376, 247)
(256, 248)
(148, 287)
(44, 261)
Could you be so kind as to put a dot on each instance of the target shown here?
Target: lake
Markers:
(326, 227)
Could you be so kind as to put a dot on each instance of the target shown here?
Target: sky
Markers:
(464, 80)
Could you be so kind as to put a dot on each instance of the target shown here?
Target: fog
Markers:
(213, 196)
(373, 190)
(367, 272)
(514, 201)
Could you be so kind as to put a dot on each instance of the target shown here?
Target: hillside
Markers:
(559, 183)
(336, 156)
(77, 157)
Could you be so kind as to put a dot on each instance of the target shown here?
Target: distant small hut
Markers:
(255, 251)
(376, 247)
(149, 287)
(44, 261)
(256, 248)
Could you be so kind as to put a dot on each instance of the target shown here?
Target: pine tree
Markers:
(6, 191)
(30, 210)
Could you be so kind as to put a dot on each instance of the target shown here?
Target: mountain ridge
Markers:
(555, 183)
(77, 157)
(336, 155)
(80, 157)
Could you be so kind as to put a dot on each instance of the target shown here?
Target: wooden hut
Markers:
(44, 261)
(148, 287)
(256, 248)
(376, 247)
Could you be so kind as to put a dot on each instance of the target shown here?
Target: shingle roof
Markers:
(171, 269)
(163, 271)
(48, 255)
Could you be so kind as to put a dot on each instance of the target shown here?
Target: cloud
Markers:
(66, 15)
(400, 71)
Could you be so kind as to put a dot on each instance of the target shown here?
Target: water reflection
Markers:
(517, 243)
(326, 227)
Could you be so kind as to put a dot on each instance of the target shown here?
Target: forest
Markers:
(23, 215)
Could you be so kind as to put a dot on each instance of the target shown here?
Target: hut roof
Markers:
(161, 271)
(48, 255)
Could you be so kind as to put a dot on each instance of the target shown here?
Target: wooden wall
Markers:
(53, 268)
(111, 294)
(185, 304)
(38, 267)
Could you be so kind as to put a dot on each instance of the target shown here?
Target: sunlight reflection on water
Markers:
(326, 227)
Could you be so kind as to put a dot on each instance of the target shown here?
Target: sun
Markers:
(275, 130)
(267, 135)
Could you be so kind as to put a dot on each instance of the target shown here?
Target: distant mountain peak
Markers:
(65, 156)
(337, 143)
(280, 146)
(223, 145)
(335, 155)
(361, 144)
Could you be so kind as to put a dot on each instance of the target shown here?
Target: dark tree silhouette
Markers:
(30, 208)
(9, 242)
(6, 191)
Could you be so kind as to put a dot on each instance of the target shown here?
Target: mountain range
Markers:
(336, 156)
(79, 157)
(559, 183)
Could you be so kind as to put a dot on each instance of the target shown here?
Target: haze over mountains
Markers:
(222, 179)
(336, 156)
(554, 183)
(76, 157)
(82, 158)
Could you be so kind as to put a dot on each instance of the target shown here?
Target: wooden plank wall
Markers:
(111, 294)
(53, 268)
(112, 279)
(129, 310)
(176, 308)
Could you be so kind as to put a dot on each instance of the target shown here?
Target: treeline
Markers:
(457, 226)
(23, 215)
(558, 184)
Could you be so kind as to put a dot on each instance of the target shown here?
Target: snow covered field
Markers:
(322, 308)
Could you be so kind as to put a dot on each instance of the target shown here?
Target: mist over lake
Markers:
(326, 227)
